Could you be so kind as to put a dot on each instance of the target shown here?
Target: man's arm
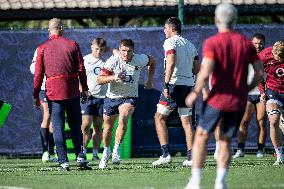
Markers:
(196, 66)
(206, 69)
(258, 76)
(151, 71)
(107, 76)
(170, 65)
(38, 77)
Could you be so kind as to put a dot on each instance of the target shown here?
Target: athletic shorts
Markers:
(93, 107)
(254, 99)
(274, 97)
(210, 117)
(111, 105)
(178, 94)
(42, 96)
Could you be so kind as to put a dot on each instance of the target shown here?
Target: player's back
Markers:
(232, 53)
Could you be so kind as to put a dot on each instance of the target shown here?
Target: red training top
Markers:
(232, 53)
(60, 59)
(274, 71)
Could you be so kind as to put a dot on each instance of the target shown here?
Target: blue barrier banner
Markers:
(16, 82)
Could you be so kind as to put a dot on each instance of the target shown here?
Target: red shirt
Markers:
(232, 53)
(274, 71)
(60, 59)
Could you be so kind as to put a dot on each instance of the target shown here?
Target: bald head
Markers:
(55, 26)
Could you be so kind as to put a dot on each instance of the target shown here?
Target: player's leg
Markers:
(110, 114)
(273, 109)
(209, 118)
(126, 109)
(185, 117)
(261, 123)
(97, 127)
(243, 130)
(109, 121)
(51, 145)
(44, 127)
(74, 117)
(85, 127)
(87, 109)
(97, 136)
(229, 125)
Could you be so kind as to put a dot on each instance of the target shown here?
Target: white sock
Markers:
(84, 151)
(217, 148)
(221, 174)
(196, 174)
(95, 152)
(278, 152)
(116, 147)
(107, 149)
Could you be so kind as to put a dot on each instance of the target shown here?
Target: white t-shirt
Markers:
(185, 52)
(129, 86)
(93, 67)
(255, 90)
(32, 69)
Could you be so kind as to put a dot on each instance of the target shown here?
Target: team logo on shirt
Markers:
(97, 70)
(279, 72)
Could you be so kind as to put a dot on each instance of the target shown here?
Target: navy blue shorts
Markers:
(274, 97)
(93, 107)
(210, 117)
(111, 105)
(178, 94)
(254, 99)
(42, 96)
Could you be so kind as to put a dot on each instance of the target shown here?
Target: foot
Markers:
(64, 167)
(116, 158)
(279, 161)
(259, 154)
(104, 160)
(192, 185)
(82, 163)
(187, 163)
(45, 157)
(220, 185)
(163, 160)
(239, 154)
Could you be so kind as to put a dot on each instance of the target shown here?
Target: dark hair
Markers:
(100, 42)
(259, 36)
(127, 43)
(175, 23)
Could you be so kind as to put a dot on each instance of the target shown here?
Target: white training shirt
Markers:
(129, 86)
(93, 67)
(255, 90)
(185, 52)
(32, 69)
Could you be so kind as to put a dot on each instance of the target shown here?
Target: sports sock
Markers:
(260, 147)
(165, 150)
(278, 152)
(95, 152)
(196, 174)
(44, 138)
(241, 146)
(51, 144)
(116, 147)
(188, 154)
(84, 151)
(221, 174)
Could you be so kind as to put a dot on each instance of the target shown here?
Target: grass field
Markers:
(138, 173)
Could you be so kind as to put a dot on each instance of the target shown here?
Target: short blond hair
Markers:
(278, 49)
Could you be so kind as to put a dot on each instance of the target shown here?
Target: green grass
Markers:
(138, 173)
